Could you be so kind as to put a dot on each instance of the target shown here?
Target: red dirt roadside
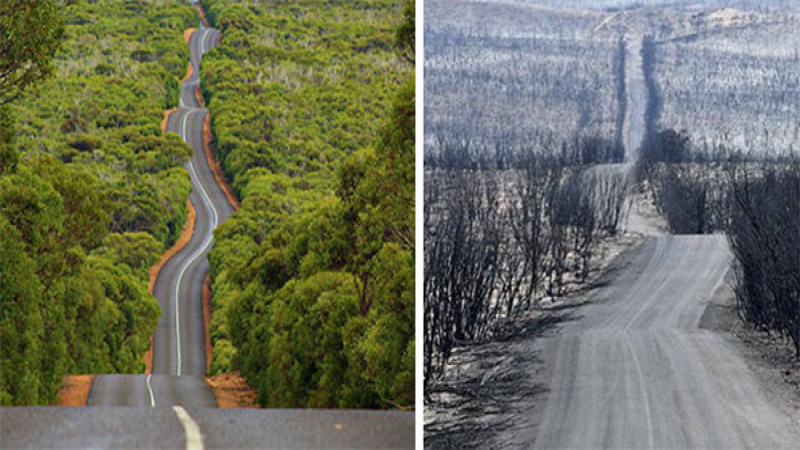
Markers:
(183, 239)
(212, 162)
(202, 14)
(75, 390)
(187, 34)
(166, 119)
(232, 391)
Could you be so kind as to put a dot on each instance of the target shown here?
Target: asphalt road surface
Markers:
(179, 355)
(146, 428)
(635, 371)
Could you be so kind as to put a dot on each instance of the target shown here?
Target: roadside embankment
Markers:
(213, 163)
(75, 390)
(165, 121)
(232, 391)
(187, 34)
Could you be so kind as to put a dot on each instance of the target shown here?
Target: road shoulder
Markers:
(75, 390)
(769, 357)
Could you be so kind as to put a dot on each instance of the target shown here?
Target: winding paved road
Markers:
(179, 354)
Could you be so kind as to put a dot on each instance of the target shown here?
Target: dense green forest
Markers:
(91, 192)
(312, 106)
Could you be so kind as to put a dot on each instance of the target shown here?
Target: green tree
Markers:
(313, 278)
(20, 320)
(405, 34)
(31, 33)
(99, 193)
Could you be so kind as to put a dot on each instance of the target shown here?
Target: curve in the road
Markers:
(179, 359)
(201, 251)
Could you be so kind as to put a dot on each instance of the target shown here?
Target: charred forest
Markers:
(754, 199)
(545, 131)
(501, 235)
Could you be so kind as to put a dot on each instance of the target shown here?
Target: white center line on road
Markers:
(178, 361)
(183, 127)
(203, 41)
(150, 390)
(206, 243)
(194, 440)
(214, 222)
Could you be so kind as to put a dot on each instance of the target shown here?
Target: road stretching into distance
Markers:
(174, 407)
(636, 370)
(636, 97)
(179, 353)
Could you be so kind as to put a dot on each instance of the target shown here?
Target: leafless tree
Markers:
(500, 235)
(764, 234)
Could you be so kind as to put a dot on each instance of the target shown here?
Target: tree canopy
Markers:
(313, 278)
(91, 193)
